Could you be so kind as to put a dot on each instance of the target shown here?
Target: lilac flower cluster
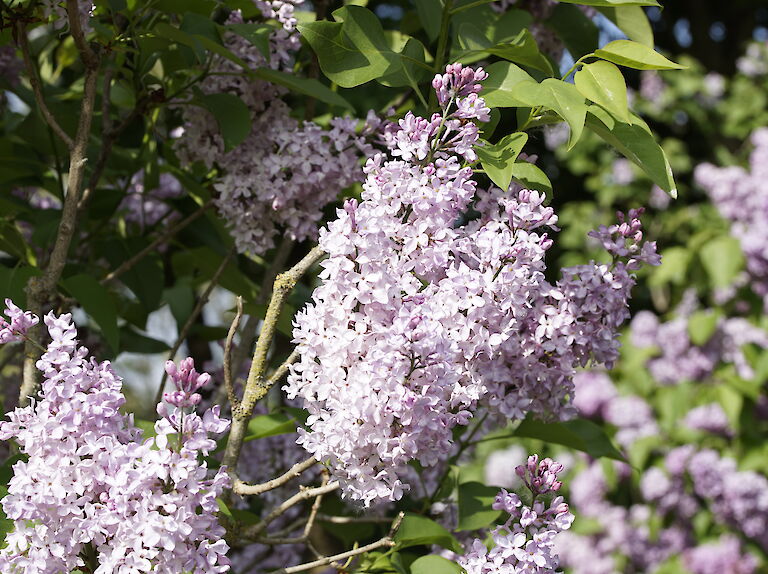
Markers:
(741, 197)
(724, 555)
(525, 542)
(20, 323)
(689, 482)
(91, 492)
(679, 359)
(286, 171)
(423, 316)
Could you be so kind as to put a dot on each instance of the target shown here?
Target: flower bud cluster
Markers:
(89, 488)
(525, 542)
(20, 323)
(279, 179)
(425, 315)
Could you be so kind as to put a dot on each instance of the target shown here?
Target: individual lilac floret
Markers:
(187, 381)
(525, 542)
(91, 494)
(21, 321)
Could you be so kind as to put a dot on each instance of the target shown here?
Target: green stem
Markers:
(576, 64)
(470, 5)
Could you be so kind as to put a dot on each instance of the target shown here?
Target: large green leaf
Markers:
(498, 159)
(558, 96)
(232, 115)
(581, 434)
(306, 86)
(502, 78)
(632, 21)
(475, 500)
(723, 260)
(430, 13)
(198, 42)
(433, 564)
(613, 2)
(98, 303)
(579, 34)
(603, 83)
(417, 530)
(635, 55)
(521, 48)
(354, 50)
(702, 325)
(636, 142)
(256, 34)
(531, 177)
(263, 426)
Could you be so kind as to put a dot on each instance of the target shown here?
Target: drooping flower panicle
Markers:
(91, 486)
(426, 314)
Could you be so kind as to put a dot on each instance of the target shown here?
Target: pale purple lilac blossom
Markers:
(525, 542)
(421, 320)
(679, 359)
(281, 177)
(741, 196)
(91, 485)
(18, 323)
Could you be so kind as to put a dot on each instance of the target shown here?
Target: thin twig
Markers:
(40, 288)
(352, 519)
(305, 493)
(107, 141)
(388, 540)
(193, 317)
(283, 368)
(256, 387)
(315, 507)
(279, 539)
(128, 264)
(241, 487)
(233, 400)
(37, 87)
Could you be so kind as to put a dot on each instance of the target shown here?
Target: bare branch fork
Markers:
(387, 541)
(241, 487)
(256, 387)
(40, 288)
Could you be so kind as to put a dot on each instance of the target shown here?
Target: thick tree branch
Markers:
(87, 55)
(256, 386)
(40, 288)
